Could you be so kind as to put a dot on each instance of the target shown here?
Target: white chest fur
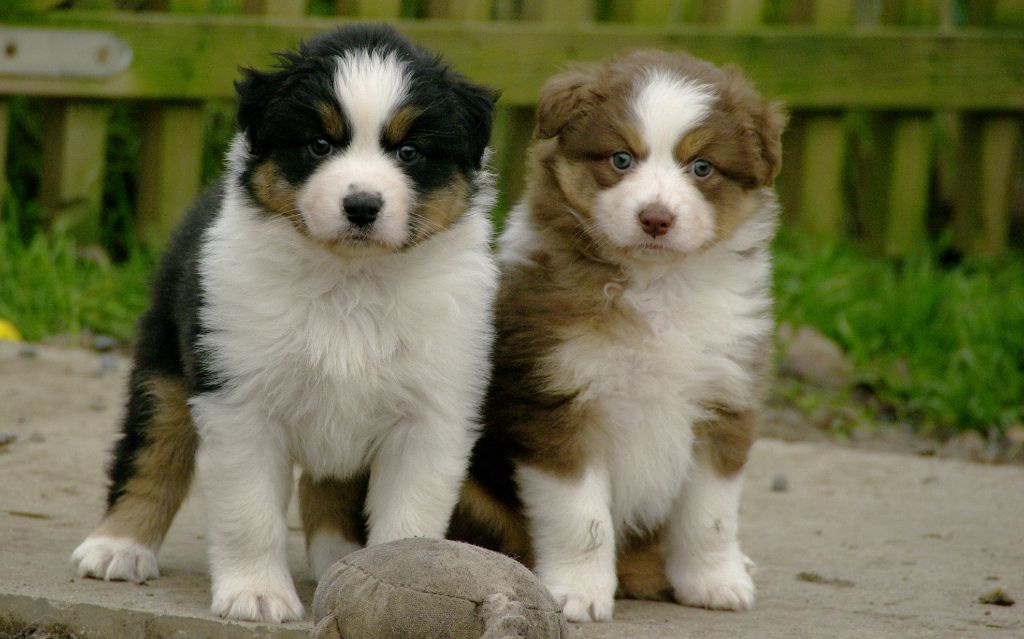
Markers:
(699, 325)
(337, 351)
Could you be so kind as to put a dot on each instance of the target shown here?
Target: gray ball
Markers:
(429, 588)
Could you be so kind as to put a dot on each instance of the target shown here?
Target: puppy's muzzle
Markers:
(361, 209)
(656, 220)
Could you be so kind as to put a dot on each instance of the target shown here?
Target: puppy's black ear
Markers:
(256, 90)
(563, 98)
(476, 103)
(259, 92)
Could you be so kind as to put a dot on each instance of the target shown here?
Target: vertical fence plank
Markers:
(287, 8)
(74, 159)
(1007, 13)
(5, 122)
(179, 6)
(471, 10)
(821, 208)
(983, 213)
(741, 13)
(370, 9)
(912, 152)
(560, 11)
(908, 190)
(1000, 136)
(986, 166)
(170, 166)
(171, 151)
(646, 11)
(909, 184)
(510, 137)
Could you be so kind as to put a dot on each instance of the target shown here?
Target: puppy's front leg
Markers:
(415, 478)
(573, 538)
(246, 477)
(705, 565)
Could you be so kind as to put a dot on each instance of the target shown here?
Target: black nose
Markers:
(361, 208)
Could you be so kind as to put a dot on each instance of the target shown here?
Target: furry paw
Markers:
(723, 586)
(267, 602)
(115, 559)
(584, 601)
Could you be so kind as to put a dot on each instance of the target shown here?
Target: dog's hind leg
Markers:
(333, 518)
(150, 476)
(641, 569)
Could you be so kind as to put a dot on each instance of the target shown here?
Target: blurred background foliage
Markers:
(935, 339)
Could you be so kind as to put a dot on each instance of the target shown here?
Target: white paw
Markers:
(725, 585)
(115, 559)
(584, 600)
(258, 602)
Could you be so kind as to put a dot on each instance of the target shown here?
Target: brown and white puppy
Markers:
(633, 328)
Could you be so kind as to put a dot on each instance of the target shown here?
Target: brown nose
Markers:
(656, 220)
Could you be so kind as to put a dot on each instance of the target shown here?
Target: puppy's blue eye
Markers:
(701, 168)
(407, 153)
(320, 147)
(622, 160)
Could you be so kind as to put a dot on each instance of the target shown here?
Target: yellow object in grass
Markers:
(8, 331)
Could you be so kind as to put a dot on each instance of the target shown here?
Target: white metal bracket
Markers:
(62, 53)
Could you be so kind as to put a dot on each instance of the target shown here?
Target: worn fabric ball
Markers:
(429, 588)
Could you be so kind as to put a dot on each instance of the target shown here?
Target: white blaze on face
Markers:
(370, 87)
(666, 108)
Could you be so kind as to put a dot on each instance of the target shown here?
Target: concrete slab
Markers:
(903, 546)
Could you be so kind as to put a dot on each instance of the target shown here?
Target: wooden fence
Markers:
(907, 114)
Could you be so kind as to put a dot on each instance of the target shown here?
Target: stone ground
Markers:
(859, 544)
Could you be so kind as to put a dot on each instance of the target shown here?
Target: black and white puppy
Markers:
(328, 303)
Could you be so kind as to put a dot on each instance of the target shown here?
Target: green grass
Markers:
(50, 286)
(942, 348)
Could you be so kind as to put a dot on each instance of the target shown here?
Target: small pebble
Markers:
(28, 352)
(1015, 434)
(780, 484)
(104, 343)
(98, 406)
(996, 597)
(37, 438)
(108, 364)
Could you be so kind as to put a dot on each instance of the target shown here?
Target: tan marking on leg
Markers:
(163, 470)
(641, 569)
(482, 520)
(727, 440)
(335, 505)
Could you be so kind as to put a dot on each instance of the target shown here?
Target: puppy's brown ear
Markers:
(770, 121)
(563, 98)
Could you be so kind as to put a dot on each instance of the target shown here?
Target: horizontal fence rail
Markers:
(906, 114)
(196, 57)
